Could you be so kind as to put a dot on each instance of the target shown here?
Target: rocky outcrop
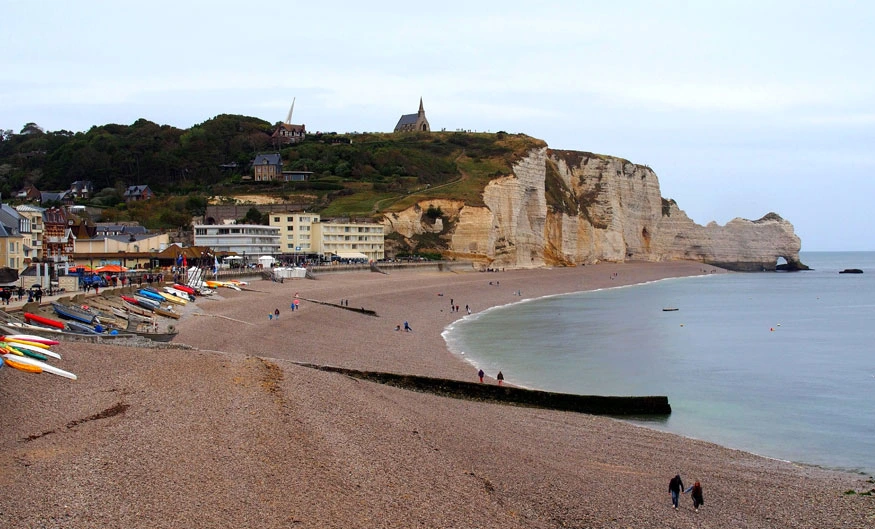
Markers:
(572, 208)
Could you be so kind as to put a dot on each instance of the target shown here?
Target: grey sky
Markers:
(741, 108)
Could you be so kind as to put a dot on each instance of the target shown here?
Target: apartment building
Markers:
(247, 240)
(307, 233)
(296, 234)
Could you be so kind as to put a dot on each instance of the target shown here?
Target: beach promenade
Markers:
(235, 433)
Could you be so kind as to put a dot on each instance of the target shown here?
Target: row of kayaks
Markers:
(30, 354)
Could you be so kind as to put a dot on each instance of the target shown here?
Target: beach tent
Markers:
(111, 268)
(266, 260)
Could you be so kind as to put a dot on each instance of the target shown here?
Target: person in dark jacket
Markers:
(697, 496)
(675, 486)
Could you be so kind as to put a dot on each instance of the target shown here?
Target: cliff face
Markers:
(571, 208)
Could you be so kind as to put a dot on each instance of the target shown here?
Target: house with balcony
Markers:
(58, 239)
(14, 234)
(33, 250)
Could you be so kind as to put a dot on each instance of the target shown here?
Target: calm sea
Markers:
(778, 364)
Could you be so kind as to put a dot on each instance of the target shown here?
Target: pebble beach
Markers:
(229, 430)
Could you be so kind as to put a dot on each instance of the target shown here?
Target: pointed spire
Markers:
(421, 110)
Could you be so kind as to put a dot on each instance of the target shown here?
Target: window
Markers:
(290, 228)
(276, 219)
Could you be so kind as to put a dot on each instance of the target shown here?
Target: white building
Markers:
(247, 240)
(306, 233)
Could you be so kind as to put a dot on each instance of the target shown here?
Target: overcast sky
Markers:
(741, 108)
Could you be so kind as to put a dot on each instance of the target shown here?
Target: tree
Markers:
(196, 205)
(253, 216)
(32, 128)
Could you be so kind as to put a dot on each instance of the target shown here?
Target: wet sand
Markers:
(233, 433)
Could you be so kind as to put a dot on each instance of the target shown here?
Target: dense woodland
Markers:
(355, 174)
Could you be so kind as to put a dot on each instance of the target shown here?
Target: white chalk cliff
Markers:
(572, 208)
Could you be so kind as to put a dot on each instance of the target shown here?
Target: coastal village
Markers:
(295, 373)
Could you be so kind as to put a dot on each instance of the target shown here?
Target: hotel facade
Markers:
(307, 233)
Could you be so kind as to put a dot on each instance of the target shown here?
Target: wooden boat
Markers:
(129, 315)
(167, 313)
(73, 313)
(153, 335)
(42, 320)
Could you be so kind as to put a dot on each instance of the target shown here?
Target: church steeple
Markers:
(421, 109)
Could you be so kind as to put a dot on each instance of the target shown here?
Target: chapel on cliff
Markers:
(413, 122)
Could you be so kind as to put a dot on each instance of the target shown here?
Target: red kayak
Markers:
(29, 317)
(132, 301)
(184, 288)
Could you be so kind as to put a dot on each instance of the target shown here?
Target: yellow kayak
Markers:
(25, 342)
(173, 299)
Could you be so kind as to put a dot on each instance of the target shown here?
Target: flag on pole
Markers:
(215, 266)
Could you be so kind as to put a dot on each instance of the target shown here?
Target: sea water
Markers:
(778, 364)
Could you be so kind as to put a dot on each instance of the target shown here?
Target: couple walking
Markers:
(675, 486)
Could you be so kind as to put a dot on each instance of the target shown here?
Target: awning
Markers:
(351, 255)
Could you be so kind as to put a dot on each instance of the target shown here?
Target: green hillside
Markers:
(360, 175)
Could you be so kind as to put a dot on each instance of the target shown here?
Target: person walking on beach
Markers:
(697, 495)
(407, 327)
(276, 313)
(481, 375)
(675, 486)
(500, 378)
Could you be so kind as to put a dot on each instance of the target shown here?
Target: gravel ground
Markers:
(234, 434)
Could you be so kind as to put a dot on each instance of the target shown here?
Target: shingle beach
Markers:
(233, 433)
